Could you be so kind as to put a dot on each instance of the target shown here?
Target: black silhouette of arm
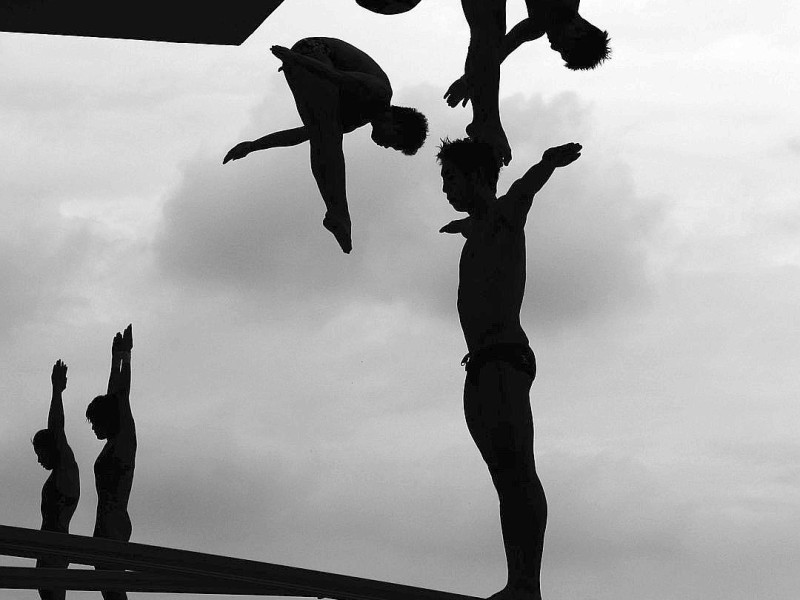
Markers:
(517, 202)
(524, 31)
(55, 418)
(278, 139)
(286, 137)
(462, 226)
(66, 474)
(119, 384)
(123, 383)
(113, 378)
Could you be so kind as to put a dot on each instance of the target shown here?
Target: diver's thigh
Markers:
(116, 526)
(484, 413)
(316, 99)
(499, 418)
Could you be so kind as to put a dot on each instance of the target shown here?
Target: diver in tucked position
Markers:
(112, 421)
(581, 45)
(337, 88)
(500, 365)
(62, 489)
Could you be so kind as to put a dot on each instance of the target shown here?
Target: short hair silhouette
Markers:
(413, 130)
(471, 156)
(590, 50)
(44, 440)
(104, 410)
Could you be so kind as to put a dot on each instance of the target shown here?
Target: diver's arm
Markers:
(123, 387)
(278, 139)
(526, 30)
(55, 418)
(517, 202)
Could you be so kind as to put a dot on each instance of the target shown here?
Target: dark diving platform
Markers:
(183, 21)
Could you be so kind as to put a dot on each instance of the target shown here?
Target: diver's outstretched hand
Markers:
(59, 376)
(240, 150)
(462, 226)
(116, 345)
(458, 92)
(561, 156)
(123, 344)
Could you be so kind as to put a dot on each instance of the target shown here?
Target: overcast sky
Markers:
(299, 406)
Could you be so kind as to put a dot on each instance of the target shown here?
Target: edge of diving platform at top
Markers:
(185, 21)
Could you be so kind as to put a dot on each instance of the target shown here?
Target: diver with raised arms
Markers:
(500, 365)
(62, 490)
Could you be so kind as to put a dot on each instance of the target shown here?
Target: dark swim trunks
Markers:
(519, 356)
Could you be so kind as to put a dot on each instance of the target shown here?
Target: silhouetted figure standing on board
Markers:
(62, 489)
(500, 365)
(337, 89)
(581, 45)
(111, 419)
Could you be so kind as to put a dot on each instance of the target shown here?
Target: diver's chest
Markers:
(491, 247)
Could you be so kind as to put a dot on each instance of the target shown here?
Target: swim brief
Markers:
(519, 356)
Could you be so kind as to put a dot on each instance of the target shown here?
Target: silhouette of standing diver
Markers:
(337, 89)
(500, 365)
(111, 419)
(581, 45)
(62, 489)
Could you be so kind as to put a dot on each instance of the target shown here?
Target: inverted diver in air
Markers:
(487, 26)
(337, 89)
(62, 489)
(500, 365)
(580, 44)
(112, 421)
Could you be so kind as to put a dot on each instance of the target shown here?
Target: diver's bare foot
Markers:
(340, 228)
(495, 137)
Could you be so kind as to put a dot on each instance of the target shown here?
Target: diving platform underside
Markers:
(184, 21)
(146, 568)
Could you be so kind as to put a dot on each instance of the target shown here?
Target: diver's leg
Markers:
(116, 526)
(499, 419)
(487, 26)
(52, 563)
(317, 101)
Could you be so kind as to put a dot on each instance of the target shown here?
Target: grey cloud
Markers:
(254, 226)
(588, 246)
(37, 267)
(604, 507)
